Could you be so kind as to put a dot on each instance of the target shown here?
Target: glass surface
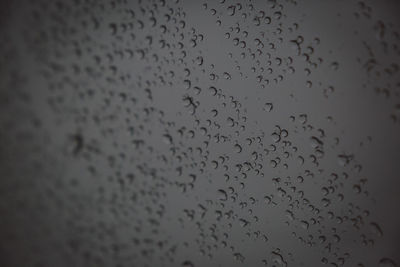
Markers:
(199, 133)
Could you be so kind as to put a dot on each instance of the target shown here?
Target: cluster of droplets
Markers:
(380, 56)
(147, 182)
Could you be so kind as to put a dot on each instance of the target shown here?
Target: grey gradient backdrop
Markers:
(199, 133)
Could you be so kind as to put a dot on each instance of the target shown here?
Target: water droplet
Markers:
(238, 148)
(222, 195)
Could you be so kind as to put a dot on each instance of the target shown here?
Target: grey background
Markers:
(199, 133)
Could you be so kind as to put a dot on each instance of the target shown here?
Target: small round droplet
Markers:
(238, 148)
(222, 195)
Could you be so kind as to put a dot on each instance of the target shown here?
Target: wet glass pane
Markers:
(139, 133)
